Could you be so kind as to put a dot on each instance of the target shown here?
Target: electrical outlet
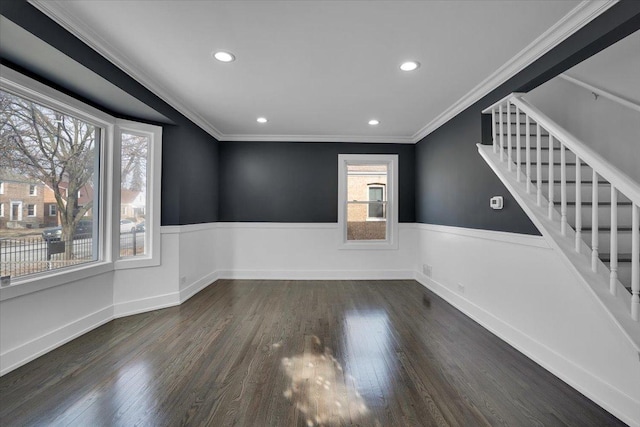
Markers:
(427, 270)
(461, 288)
(183, 280)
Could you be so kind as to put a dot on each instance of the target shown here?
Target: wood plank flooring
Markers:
(293, 353)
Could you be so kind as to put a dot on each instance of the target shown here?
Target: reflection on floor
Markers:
(319, 389)
(293, 353)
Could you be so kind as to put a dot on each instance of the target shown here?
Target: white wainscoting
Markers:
(519, 289)
(36, 323)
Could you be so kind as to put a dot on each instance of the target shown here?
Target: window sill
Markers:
(370, 245)
(138, 262)
(39, 282)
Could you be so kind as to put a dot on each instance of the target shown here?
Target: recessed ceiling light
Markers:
(409, 65)
(374, 122)
(224, 56)
(261, 120)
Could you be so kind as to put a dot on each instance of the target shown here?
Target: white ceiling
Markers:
(319, 70)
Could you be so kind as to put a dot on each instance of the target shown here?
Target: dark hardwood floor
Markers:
(290, 353)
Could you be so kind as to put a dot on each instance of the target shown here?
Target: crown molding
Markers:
(320, 138)
(577, 18)
(87, 35)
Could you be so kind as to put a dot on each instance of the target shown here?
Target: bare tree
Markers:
(134, 162)
(53, 148)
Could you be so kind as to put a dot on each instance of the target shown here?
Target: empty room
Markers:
(319, 213)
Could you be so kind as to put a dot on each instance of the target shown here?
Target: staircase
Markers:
(585, 207)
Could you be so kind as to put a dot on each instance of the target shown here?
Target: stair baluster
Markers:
(551, 177)
(501, 134)
(563, 189)
(613, 257)
(594, 222)
(578, 206)
(509, 164)
(539, 164)
(494, 139)
(527, 125)
(518, 145)
(635, 261)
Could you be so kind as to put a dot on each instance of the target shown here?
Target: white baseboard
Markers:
(25, 353)
(317, 274)
(610, 398)
(143, 305)
(198, 285)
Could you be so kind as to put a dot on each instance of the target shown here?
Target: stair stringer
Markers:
(617, 306)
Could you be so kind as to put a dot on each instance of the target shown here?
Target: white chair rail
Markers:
(512, 118)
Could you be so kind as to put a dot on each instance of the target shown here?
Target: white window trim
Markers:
(35, 210)
(154, 179)
(2, 187)
(53, 206)
(35, 190)
(391, 160)
(1, 210)
(26, 87)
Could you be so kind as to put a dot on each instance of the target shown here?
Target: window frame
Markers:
(2, 210)
(35, 210)
(35, 190)
(109, 181)
(52, 205)
(392, 238)
(154, 179)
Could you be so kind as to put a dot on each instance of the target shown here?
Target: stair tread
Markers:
(607, 229)
(573, 181)
(554, 163)
(605, 257)
(601, 203)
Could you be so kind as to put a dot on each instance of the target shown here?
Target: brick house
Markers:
(25, 203)
(366, 183)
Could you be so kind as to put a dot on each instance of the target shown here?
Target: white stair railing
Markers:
(602, 172)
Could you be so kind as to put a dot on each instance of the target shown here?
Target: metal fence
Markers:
(20, 256)
(27, 255)
(132, 244)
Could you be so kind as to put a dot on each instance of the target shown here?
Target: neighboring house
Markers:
(85, 195)
(25, 203)
(132, 204)
(366, 183)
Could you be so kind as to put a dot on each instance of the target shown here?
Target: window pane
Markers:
(360, 177)
(366, 201)
(133, 196)
(50, 156)
(358, 228)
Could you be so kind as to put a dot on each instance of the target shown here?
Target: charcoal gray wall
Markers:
(297, 181)
(190, 155)
(453, 183)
